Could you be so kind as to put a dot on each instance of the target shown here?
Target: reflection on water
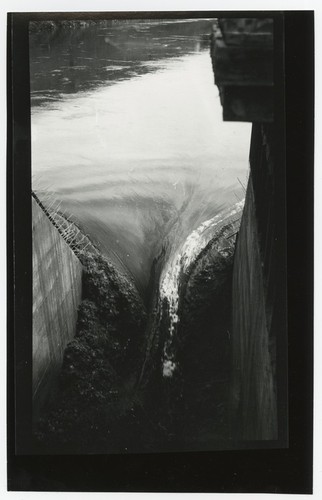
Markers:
(69, 60)
(131, 139)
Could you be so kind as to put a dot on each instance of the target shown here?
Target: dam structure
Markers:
(57, 292)
(243, 62)
(242, 249)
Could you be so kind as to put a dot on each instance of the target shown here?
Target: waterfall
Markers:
(178, 266)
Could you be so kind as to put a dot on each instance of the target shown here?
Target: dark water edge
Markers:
(68, 57)
(111, 396)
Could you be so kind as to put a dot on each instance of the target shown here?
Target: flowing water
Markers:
(179, 264)
(127, 134)
(128, 141)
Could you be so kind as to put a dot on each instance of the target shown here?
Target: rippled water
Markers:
(131, 140)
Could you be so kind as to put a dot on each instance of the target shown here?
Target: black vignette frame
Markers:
(25, 469)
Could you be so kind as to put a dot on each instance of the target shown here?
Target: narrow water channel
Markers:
(128, 141)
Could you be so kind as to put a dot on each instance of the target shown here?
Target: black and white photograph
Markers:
(157, 315)
(153, 297)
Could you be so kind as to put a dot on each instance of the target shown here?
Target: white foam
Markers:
(170, 280)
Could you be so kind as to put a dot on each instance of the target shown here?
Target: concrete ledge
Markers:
(254, 401)
(57, 291)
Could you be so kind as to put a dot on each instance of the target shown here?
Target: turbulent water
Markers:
(179, 263)
(127, 134)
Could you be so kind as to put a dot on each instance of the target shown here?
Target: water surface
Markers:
(127, 134)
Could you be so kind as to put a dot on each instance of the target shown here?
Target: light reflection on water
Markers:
(139, 158)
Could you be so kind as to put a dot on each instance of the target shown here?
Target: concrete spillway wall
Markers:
(259, 340)
(254, 381)
(244, 61)
(57, 290)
